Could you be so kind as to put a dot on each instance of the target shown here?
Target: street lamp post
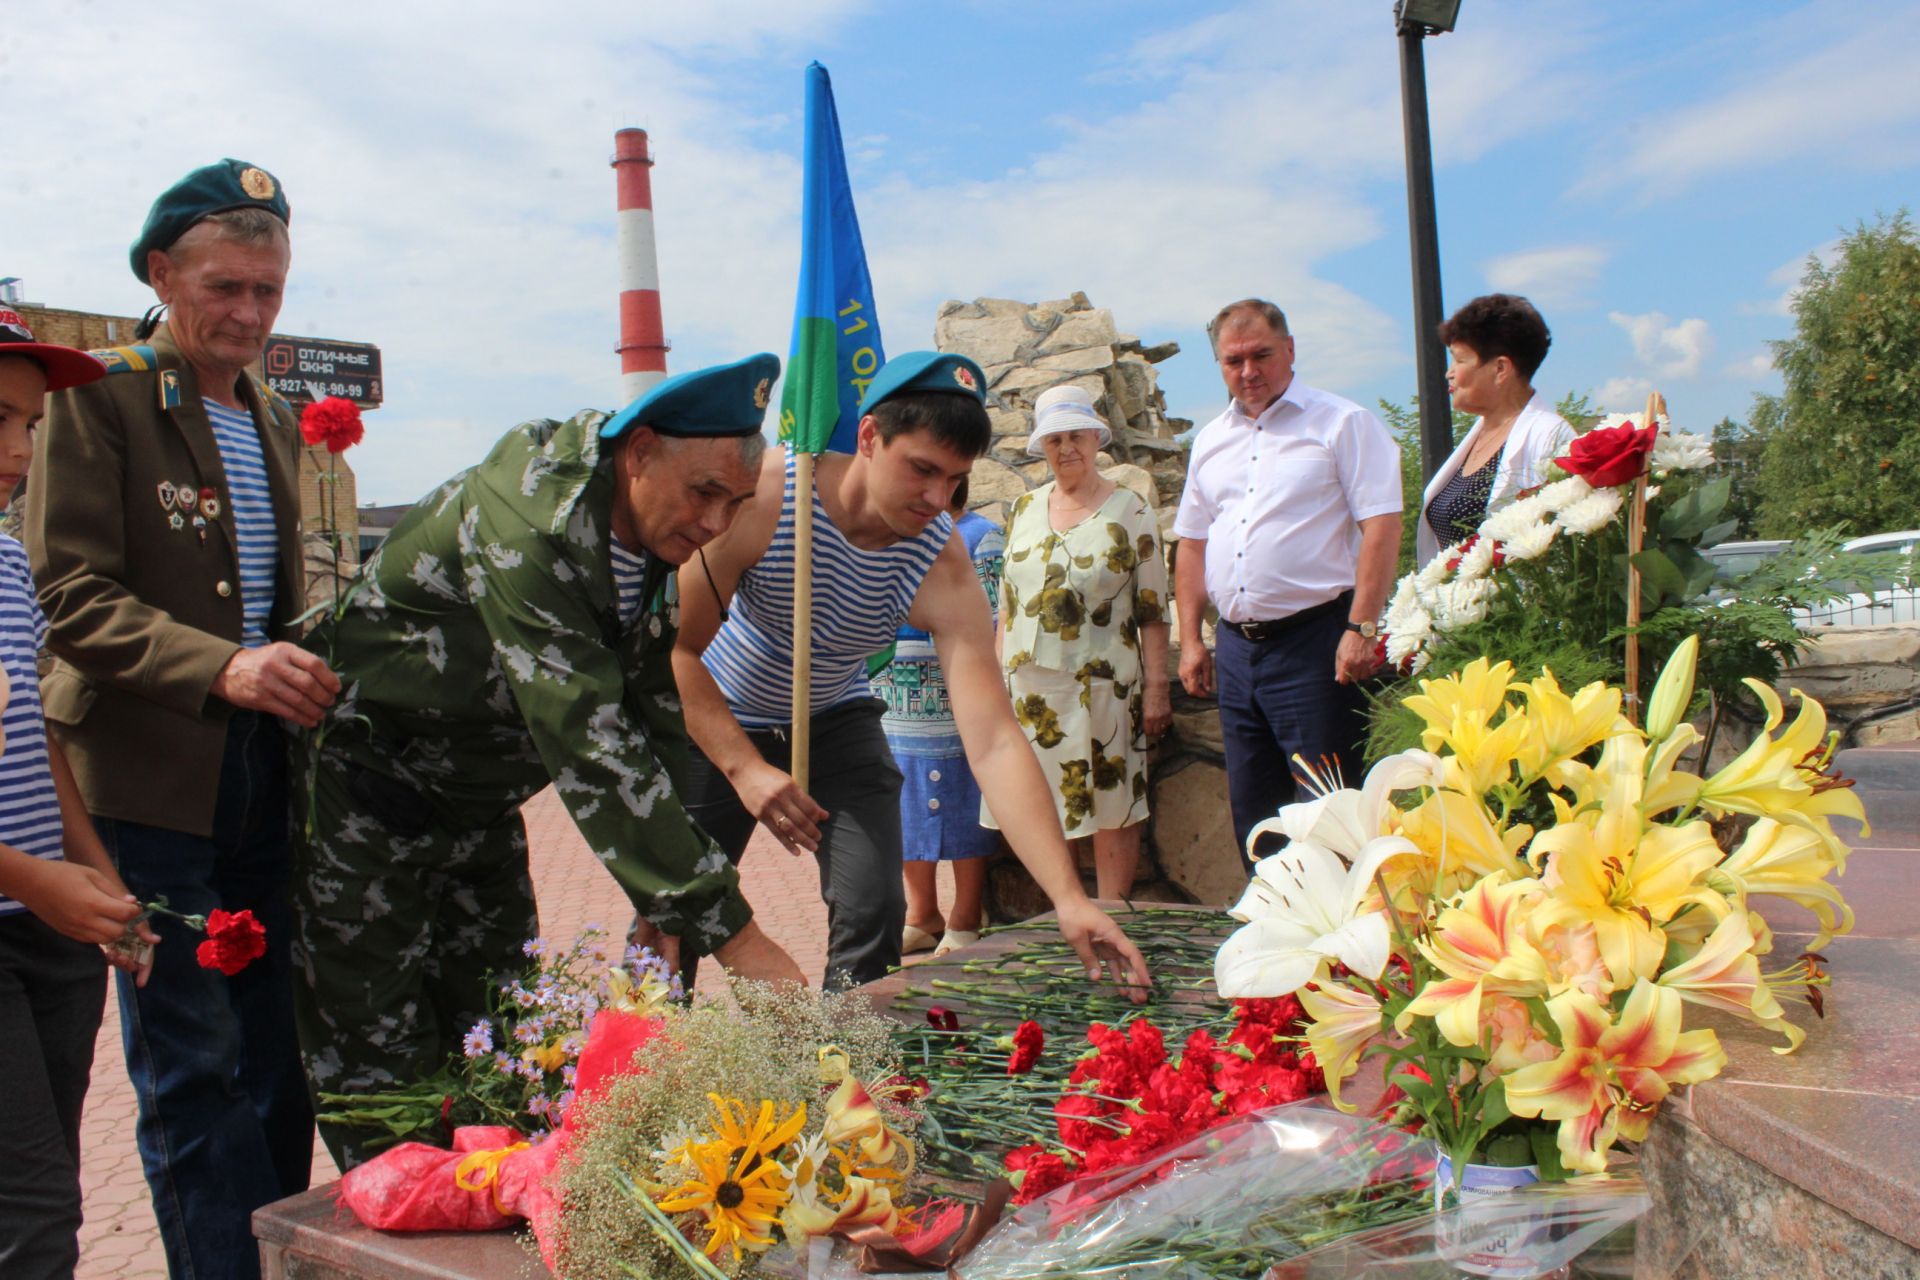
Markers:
(1415, 20)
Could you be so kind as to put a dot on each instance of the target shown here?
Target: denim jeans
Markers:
(225, 1125)
(52, 990)
(1278, 700)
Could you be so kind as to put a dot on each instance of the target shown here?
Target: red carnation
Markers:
(333, 422)
(234, 941)
(1037, 1171)
(1609, 456)
(1028, 1040)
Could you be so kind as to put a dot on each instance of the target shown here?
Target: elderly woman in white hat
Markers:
(1083, 599)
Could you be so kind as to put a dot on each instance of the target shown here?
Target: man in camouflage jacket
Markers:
(514, 629)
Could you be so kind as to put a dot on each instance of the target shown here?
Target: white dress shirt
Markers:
(1539, 435)
(1279, 499)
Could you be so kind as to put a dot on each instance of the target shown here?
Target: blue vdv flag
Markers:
(836, 332)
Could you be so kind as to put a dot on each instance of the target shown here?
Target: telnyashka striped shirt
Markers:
(629, 581)
(860, 599)
(252, 505)
(29, 806)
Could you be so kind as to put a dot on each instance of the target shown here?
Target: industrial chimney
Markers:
(643, 344)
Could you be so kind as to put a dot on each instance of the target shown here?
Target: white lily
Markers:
(1302, 909)
(1344, 820)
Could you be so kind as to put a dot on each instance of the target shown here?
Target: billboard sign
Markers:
(308, 369)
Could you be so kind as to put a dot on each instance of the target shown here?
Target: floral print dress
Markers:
(1075, 600)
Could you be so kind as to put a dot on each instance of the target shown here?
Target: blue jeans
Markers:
(225, 1125)
(1278, 699)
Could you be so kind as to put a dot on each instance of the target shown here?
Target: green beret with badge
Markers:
(211, 189)
(920, 371)
(726, 400)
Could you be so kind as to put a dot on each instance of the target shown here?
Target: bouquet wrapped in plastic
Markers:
(487, 1181)
(1296, 1191)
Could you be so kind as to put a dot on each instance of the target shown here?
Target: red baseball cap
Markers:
(65, 366)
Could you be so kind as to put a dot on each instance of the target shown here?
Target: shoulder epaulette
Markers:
(126, 359)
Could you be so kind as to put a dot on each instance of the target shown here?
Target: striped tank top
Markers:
(29, 805)
(860, 599)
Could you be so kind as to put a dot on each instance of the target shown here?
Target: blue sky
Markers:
(1653, 175)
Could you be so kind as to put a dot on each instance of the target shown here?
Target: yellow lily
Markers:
(1461, 842)
(1572, 955)
(1344, 1023)
(1480, 945)
(1725, 974)
(1611, 1076)
(1674, 690)
(1561, 727)
(1791, 862)
(1786, 777)
(1625, 882)
(1458, 711)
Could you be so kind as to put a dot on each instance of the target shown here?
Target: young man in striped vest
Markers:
(884, 555)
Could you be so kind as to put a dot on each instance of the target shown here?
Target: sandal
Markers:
(914, 938)
(955, 939)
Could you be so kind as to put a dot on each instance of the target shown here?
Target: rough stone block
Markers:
(1093, 328)
(1192, 833)
(1080, 360)
(994, 482)
(1134, 478)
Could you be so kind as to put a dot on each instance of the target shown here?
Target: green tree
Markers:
(1737, 454)
(1844, 444)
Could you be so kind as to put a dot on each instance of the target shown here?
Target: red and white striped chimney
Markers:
(643, 343)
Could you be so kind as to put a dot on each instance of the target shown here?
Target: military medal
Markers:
(209, 504)
(176, 521)
(183, 495)
(166, 491)
(200, 527)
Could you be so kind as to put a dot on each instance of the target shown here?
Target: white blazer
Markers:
(1539, 436)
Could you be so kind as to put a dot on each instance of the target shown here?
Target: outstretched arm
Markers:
(952, 607)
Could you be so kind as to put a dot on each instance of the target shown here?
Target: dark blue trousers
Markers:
(1278, 700)
(225, 1125)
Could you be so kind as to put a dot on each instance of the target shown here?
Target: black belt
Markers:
(1258, 631)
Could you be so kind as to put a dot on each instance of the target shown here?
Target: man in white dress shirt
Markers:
(1290, 525)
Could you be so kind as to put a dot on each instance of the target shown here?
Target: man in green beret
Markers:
(163, 519)
(884, 555)
(514, 630)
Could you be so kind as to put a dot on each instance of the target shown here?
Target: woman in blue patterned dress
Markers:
(939, 800)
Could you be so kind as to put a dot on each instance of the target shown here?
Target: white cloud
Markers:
(1854, 100)
(1787, 277)
(1669, 350)
(1624, 394)
(1752, 368)
(1557, 276)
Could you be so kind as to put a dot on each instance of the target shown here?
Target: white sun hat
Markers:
(1066, 408)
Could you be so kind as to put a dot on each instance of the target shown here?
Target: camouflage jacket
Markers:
(482, 656)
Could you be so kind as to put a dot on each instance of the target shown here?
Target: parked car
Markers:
(1731, 559)
(1894, 595)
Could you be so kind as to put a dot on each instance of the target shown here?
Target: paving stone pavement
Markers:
(119, 1240)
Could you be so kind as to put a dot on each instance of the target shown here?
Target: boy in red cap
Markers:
(59, 893)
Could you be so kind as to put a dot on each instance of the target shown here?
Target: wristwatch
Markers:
(1368, 630)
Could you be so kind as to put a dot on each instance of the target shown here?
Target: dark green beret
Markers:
(231, 184)
(925, 371)
(726, 400)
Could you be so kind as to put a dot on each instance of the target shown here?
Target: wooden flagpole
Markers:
(800, 736)
(1636, 539)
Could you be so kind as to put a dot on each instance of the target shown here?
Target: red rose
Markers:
(941, 1018)
(1028, 1040)
(1609, 456)
(333, 422)
(234, 941)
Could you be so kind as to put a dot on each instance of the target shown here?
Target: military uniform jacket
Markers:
(482, 656)
(145, 614)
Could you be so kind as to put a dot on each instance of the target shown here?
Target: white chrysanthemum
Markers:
(1635, 420)
(1561, 494)
(1475, 560)
(1593, 512)
(1433, 572)
(1409, 622)
(1681, 451)
(1463, 603)
(1402, 647)
(1530, 543)
(1514, 518)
